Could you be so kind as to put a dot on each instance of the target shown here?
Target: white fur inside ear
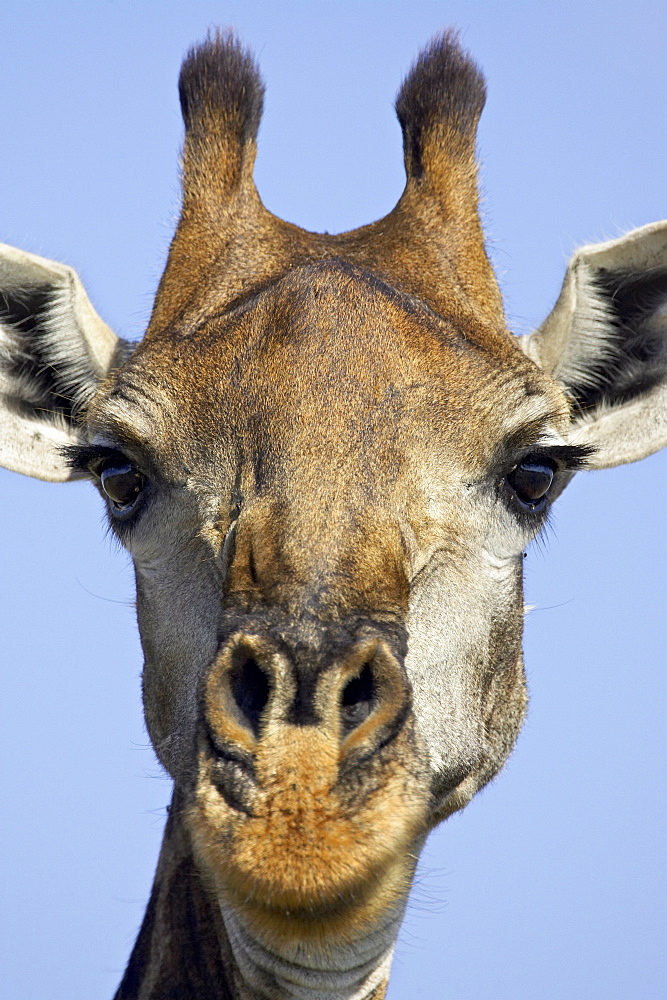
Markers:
(33, 448)
(605, 341)
(54, 351)
(75, 371)
(578, 337)
(627, 433)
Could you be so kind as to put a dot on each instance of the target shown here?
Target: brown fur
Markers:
(430, 246)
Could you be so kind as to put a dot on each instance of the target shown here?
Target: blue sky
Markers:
(552, 883)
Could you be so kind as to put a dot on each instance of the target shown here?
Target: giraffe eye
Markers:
(122, 484)
(531, 481)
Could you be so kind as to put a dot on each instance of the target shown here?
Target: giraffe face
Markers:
(328, 559)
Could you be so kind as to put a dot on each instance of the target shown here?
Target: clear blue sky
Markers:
(552, 883)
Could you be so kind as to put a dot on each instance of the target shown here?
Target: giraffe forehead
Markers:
(329, 362)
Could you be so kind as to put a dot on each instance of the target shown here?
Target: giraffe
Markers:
(326, 459)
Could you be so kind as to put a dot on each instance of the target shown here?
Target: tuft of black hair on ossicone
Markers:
(220, 78)
(444, 87)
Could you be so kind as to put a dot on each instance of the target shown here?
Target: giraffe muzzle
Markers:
(309, 777)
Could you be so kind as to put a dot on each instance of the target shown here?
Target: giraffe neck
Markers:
(182, 949)
(189, 948)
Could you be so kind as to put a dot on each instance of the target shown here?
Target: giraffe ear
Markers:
(54, 351)
(605, 341)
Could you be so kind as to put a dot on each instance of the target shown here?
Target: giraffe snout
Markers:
(310, 779)
(259, 694)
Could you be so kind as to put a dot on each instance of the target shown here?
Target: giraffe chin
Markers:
(309, 849)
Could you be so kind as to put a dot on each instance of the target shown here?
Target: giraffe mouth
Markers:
(311, 788)
(292, 833)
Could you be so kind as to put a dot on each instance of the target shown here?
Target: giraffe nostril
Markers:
(357, 699)
(250, 689)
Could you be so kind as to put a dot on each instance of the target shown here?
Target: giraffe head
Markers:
(326, 459)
